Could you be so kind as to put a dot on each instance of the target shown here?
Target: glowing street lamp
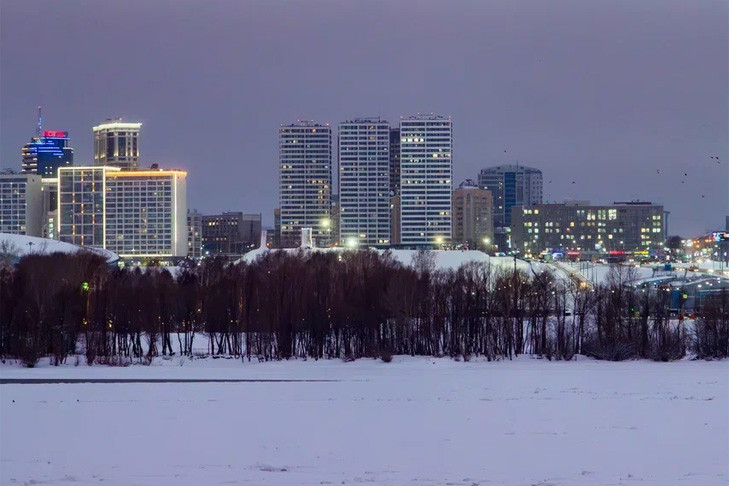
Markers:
(351, 243)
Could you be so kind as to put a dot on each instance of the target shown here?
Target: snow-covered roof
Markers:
(21, 245)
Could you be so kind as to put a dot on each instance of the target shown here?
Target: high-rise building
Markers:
(116, 143)
(46, 152)
(394, 161)
(230, 234)
(426, 168)
(364, 182)
(134, 213)
(581, 227)
(194, 234)
(21, 204)
(305, 181)
(510, 186)
(472, 219)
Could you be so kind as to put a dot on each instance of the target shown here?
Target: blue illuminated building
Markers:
(44, 154)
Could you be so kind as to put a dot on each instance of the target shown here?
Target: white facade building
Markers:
(21, 204)
(134, 213)
(305, 181)
(116, 143)
(364, 182)
(426, 168)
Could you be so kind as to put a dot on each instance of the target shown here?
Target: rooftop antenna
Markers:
(40, 121)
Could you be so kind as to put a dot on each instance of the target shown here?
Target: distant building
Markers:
(305, 181)
(426, 167)
(395, 220)
(579, 226)
(472, 216)
(230, 234)
(44, 154)
(364, 182)
(116, 144)
(335, 220)
(194, 234)
(21, 204)
(134, 213)
(277, 228)
(510, 186)
(395, 162)
(50, 207)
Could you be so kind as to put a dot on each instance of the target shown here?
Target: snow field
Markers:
(413, 421)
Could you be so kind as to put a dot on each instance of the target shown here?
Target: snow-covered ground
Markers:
(21, 245)
(412, 421)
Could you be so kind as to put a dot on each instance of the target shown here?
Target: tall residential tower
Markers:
(426, 169)
(305, 181)
(364, 182)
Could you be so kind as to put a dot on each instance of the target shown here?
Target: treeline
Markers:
(326, 305)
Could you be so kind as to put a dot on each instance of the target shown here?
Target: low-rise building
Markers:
(579, 226)
(230, 234)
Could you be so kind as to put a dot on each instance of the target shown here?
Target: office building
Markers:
(116, 144)
(194, 234)
(305, 181)
(472, 216)
(426, 143)
(364, 182)
(230, 234)
(578, 226)
(136, 213)
(43, 155)
(21, 204)
(510, 186)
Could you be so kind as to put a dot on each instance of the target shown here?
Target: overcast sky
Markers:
(621, 97)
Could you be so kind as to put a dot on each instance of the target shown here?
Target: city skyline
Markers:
(552, 90)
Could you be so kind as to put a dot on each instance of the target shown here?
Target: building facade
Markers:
(116, 144)
(136, 214)
(230, 234)
(21, 204)
(194, 234)
(49, 186)
(426, 168)
(335, 220)
(45, 153)
(395, 161)
(472, 216)
(510, 186)
(578, 226)
(364, 182)
(305, 181)
(395, 220)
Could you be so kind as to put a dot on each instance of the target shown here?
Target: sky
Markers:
(613, 101)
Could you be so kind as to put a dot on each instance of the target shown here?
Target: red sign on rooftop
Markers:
(55, 133)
